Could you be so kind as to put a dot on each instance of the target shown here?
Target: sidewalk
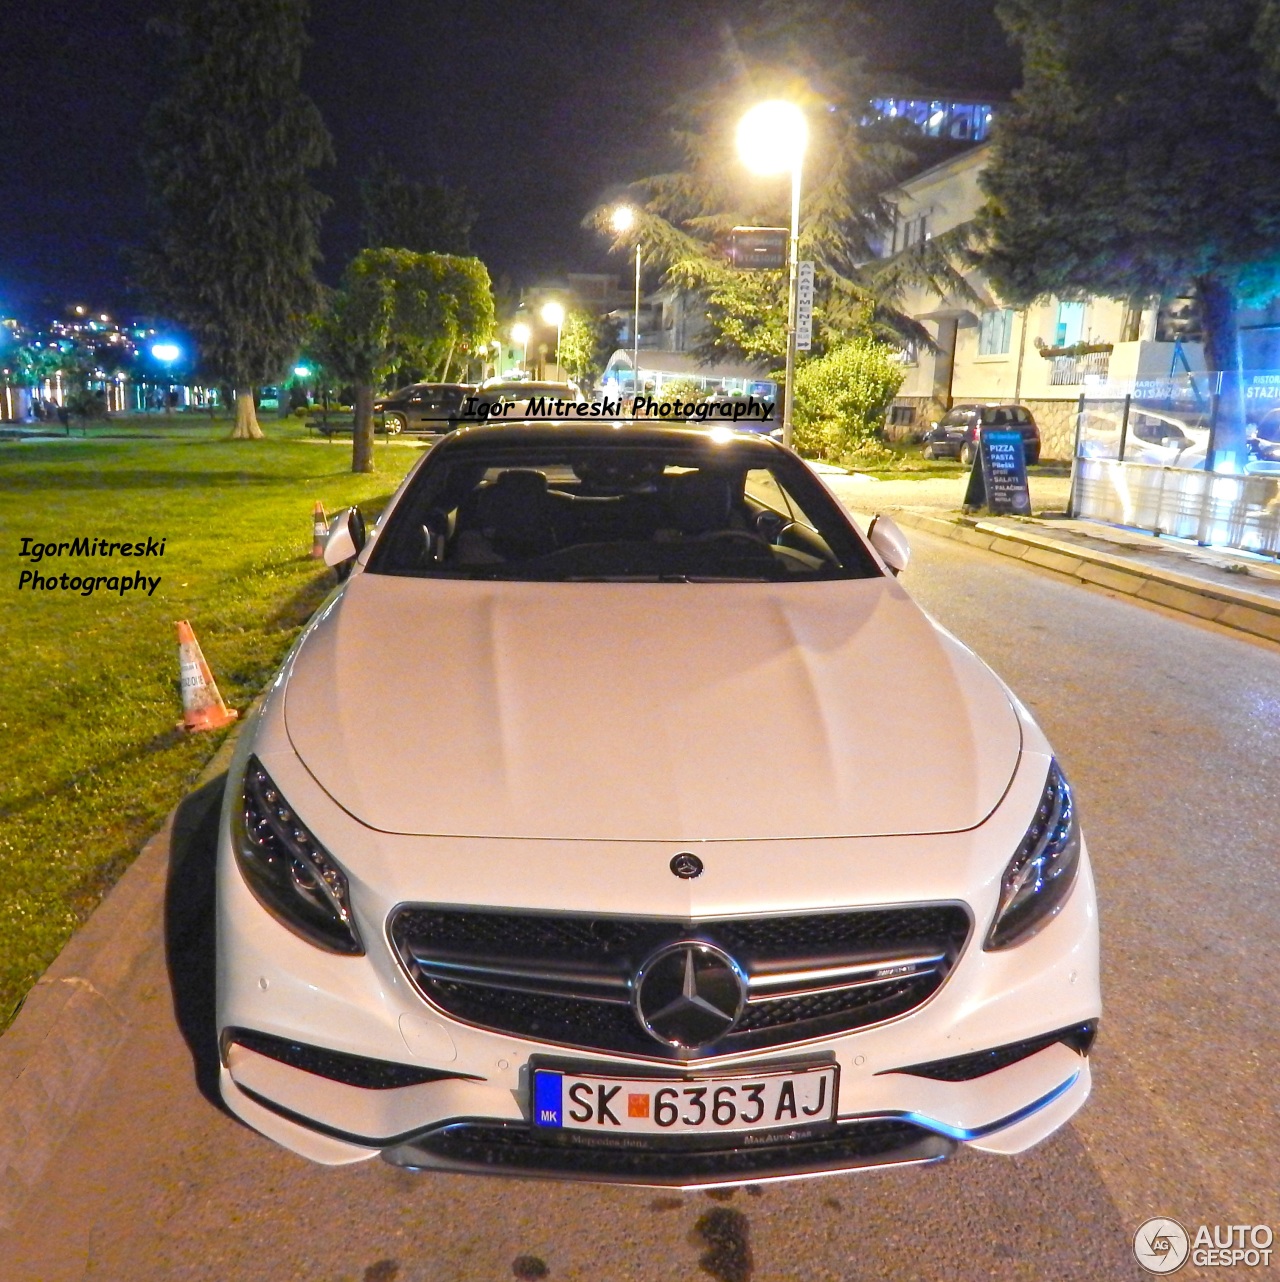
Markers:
(1236, 589)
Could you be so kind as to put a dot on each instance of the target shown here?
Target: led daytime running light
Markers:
(290, 873)
(1043, 869)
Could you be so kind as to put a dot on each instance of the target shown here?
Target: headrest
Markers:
(700, 502)
(515, 500)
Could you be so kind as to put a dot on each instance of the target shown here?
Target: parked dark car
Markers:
(432, 408)
(956, 434)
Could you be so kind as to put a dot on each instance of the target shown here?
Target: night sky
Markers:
(538, 107)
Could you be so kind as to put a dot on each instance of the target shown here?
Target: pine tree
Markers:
(228, 155)
(850, 170)
(428, 218)
(1141, 156)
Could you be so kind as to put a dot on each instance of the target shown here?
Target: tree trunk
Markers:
(362, 436)
(448, 360)
(246, 428)
(1228, 450)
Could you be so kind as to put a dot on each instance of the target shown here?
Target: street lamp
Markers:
(520, 334)
(624, 218)
(771, 140)
(553, 314)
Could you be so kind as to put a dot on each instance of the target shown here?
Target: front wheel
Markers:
(968, 452)
(928, 452)
(394, 424)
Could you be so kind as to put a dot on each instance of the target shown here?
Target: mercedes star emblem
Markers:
(689, 994)
(686, 865)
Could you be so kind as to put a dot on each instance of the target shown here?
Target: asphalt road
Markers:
(1170, 731)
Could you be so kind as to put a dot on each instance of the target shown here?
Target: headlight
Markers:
(291, 875)
(1040, 875)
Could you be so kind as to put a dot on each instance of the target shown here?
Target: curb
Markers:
(73, 1020)
(1232, 607)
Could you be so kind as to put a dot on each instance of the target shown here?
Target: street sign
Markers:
(804, 307)
(998, 481)
(757, 248)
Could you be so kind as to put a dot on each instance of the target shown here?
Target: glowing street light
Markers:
(771, 140)
(302, 371)
(553, 314)
(624, 218)
(166, 353)
(520, 334)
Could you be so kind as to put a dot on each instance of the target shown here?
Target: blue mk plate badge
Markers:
(548, 1094)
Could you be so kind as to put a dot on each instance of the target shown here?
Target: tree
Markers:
(841, 396)
(1141, 156)
(426, 217)
(846, 211)
(228, 152)
(586, 343)
(397, 309)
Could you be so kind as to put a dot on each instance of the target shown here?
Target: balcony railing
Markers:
(1070, 371)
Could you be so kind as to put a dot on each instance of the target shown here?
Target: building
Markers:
(659, 367)
(1045, 356)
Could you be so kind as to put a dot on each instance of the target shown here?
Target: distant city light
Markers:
(166, 352)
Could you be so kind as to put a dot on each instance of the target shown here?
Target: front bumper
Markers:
(467, 1108)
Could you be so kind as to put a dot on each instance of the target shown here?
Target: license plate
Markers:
(704, 1105)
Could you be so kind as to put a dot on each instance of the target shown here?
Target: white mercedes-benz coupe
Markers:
(620, 817)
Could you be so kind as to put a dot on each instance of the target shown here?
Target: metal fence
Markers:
(1210, 507)
(1140, 458)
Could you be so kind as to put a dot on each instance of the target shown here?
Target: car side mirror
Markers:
(345, 541)
(890, 542)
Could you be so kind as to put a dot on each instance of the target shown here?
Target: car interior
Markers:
(613, 515)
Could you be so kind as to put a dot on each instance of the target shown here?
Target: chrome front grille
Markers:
(567, 979)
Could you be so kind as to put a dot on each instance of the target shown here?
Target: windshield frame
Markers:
(433, 489)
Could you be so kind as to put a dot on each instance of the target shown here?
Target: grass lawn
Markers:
(89, 685)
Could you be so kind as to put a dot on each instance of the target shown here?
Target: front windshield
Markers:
(599, 511)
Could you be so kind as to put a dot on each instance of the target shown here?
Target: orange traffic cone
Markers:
(202, 706)
(319, 530)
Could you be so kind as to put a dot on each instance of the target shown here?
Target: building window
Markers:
(1070, 328)
(994, 331)
(902, 415)
(909, 353)
(910, 231)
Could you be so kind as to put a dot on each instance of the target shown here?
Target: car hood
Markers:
(679, 712)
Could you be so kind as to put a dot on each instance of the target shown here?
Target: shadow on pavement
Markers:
(189, 934)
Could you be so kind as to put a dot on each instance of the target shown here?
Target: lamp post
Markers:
(166, 354)
(520, 334)
(771, 140)
(624, 218)
(553, 314)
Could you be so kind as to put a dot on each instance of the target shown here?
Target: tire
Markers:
(968, 452)
(1033, 457)
(394, 424)
(927, 451)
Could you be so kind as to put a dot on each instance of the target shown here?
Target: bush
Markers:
(842, 396)
(681, 390)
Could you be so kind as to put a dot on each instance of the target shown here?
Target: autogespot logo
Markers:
(1162, 1245)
